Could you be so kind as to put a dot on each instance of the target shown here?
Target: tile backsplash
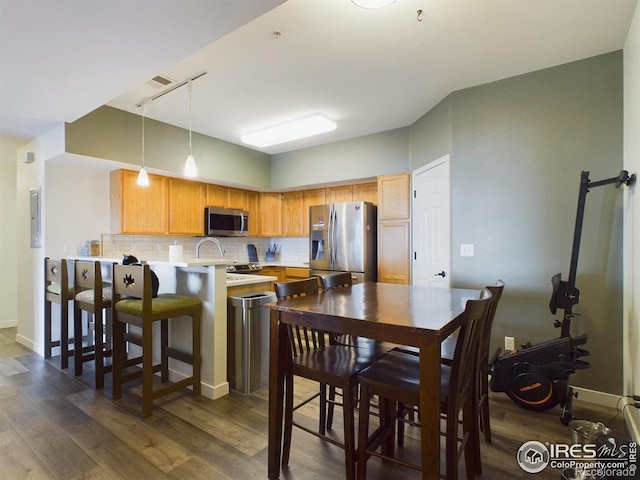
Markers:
(294, 250)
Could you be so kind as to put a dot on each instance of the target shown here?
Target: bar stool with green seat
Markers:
(57, 289)
(133, 305)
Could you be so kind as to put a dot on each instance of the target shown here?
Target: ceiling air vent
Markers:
(160, 81)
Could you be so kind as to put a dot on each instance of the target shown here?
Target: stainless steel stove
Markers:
(251, 267)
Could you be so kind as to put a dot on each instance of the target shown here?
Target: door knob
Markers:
(441, 274)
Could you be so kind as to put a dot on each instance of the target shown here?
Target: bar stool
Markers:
(87, 281)
(57, 289)
(133, 305)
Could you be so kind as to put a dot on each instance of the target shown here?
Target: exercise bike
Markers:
(536, 377)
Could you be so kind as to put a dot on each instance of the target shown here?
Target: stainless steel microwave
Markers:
(225, 222)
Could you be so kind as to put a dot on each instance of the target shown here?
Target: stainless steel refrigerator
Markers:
(343, 238)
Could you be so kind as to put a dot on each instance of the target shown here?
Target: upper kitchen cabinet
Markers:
(253, 207)
(216, 196)
(366, 192)
(394, 200)
(270, 214)
(293, 207)
(136, 209)
(340, 194)
(236, 198)
(186, 207)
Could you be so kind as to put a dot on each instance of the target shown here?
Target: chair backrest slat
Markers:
(301, 338)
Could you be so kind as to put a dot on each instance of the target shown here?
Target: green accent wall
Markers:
(116, 135)
(517, 148)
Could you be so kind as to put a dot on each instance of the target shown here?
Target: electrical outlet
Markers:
(466, 250)
(509, 344)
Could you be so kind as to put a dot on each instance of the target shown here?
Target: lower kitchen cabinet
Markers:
(296, 273)
(394, 257)
(279, 272)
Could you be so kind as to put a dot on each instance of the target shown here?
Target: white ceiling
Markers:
(369, 70)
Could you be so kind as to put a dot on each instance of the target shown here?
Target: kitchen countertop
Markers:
(236, 279)
(285, 264)
(187, 262)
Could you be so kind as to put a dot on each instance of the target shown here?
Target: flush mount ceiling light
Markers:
(373, 3)
(308, 126)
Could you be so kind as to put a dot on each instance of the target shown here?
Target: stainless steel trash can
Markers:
(248, 341)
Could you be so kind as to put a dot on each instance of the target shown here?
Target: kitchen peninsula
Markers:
(207, 280)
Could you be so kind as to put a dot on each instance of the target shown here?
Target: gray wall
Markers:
(116, 135)
(517, 149)
(362, 157)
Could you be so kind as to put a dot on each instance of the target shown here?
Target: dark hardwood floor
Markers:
(56, 426)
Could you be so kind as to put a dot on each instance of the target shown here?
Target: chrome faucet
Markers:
(210, 239)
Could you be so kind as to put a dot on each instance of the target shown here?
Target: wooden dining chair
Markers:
(87, 281)
(315, 356)
(133, 304)
(447, 350)
(57, 289)
(396, 380)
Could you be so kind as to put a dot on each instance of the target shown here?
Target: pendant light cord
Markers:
(143, 107)
(190, 151)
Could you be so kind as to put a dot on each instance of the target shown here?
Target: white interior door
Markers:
(432, 224)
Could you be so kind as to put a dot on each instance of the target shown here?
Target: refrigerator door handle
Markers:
(334, 240)
(330, 236)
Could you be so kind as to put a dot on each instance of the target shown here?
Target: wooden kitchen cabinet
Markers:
(366, 192)
(270, 214)
(296, 273)
(394, 256)
(394, 199)
(293, 214)
(186, 207)
(216, 196)
(135, 209)
(253, 207)
(280, 272)
(236, 198)
(339, 194)
(394, 228)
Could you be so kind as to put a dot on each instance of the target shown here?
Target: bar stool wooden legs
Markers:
(57, 290)
(133, 305)
(92, 296)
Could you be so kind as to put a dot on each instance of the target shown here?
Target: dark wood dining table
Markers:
(400, 314)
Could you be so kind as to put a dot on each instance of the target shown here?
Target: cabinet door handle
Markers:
(441, 274)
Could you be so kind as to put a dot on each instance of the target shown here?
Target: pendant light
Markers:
(143, 178)
(190, 169)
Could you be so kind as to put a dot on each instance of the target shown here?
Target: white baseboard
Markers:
(594, 396)
(12, 322)
(27, 342)
(207, 390)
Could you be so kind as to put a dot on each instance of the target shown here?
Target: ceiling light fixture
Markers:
(371, 4)
(143, 178)
(308, 126)
(190, 168)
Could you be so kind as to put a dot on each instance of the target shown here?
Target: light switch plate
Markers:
(466, 250)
